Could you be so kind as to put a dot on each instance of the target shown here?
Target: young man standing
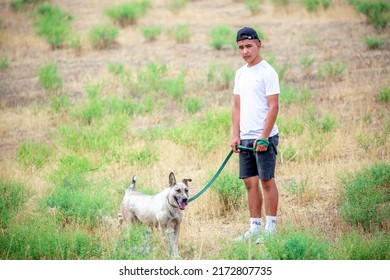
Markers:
(254, 112)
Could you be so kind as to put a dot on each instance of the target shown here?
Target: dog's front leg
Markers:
(176, 241)
(163, 230)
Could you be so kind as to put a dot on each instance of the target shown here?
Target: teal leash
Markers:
(263, 142)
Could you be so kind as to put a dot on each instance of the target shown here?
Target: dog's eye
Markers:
(178, 190)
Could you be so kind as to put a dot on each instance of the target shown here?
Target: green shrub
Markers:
(230, 190)
(175, 87)
(205, 132)
(176, 5)
(4, 63)
(222, 36)
(383, 95)
(103, 36)
(253, 6)
(376, 11)
(128, 13)
(143, 157)
(33, 154)
(332, 70)
(193, 104)
(365, 197)
(53, 24)
(221, 75)
(297, 245)
(307, 60)
(242, 251)
(374, 42)
(49, 78)
(290, 126)
(180, 33)
(137, 243)
(41, 238)
(151, 33)
(22, 5)
(12, 196)
(296, 188)
(355, 246)
(115, 68)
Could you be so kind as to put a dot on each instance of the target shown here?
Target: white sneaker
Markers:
(248, 235)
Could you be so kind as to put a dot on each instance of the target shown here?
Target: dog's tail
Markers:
(132, 185)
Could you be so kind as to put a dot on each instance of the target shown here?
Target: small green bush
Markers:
(12, 196)
(128, 13)
(383, 95)
(22, 5)
(151, 33)
(175, 87)
(332, 71)
(4, 63)
(374, 42)
(365, 197)
(204, 133)
(193, 104)
(376, 11)
(297, 245)
(49, 78)
(253, 6)
(230, 190)
(355, 246)
(180, 33)
(103, 36)
(221, 75)
(33, 154)
(41, 238)
(176, 5)
(53, 24)
(221, 36)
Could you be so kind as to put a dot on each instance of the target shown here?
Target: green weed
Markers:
(204, 133)
(193, 104)
(383, 95)
(222, 36)
(374, 42)
(128, 13)
(253, 6)
(22, 5)
(49, 78)
(33, 154)
(41, 238)
(53, 24)
(290, 126)
(221, 75)
(307, 60)
(332, 71)
(4, 64)
(12, 195)
(297, 245)
(356, 246)
(242, 251)
(376, 11)
(365, 197)
(176, 5)
(230, 190)
(103, 36)
(180, 33)
(175, 87)
(137, 243)
(143, 157)
(151, 33)
(297, 188)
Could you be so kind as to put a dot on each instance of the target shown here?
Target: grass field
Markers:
(93, 93)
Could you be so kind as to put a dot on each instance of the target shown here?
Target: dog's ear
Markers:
(172, 179)
(185, 181)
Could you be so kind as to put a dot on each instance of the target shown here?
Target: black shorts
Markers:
(260, 164)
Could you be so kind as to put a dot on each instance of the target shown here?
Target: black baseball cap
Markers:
(247, 33)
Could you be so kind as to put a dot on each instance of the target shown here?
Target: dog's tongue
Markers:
(182, 205)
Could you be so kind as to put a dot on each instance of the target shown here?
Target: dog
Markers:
(162, 210)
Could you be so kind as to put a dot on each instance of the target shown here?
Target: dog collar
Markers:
(171, 204)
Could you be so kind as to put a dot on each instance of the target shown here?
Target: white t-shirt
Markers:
(253, 85)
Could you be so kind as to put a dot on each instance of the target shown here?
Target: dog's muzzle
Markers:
(182, 202)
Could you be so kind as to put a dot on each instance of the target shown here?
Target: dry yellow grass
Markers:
(333, 34)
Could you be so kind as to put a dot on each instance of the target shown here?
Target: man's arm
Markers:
(236, 122)
(273, 103)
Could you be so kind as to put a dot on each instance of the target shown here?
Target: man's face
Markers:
(249, 50)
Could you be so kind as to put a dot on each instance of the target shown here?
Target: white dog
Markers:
(162, 210)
